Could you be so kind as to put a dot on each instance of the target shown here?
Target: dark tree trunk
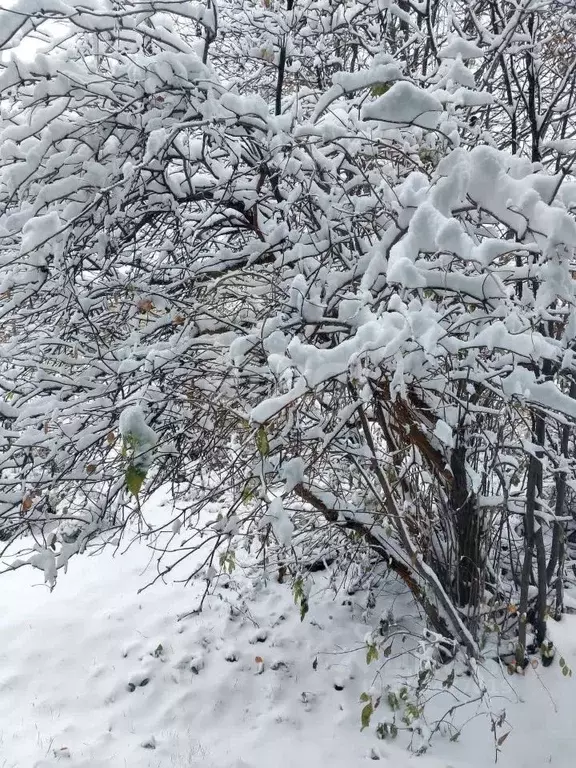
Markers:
(533, 538)
(469, 566)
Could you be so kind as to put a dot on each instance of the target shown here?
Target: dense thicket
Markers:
(311, 260)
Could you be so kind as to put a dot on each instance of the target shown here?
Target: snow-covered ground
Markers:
(96, 675)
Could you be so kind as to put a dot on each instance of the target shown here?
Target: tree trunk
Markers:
(533, 538)
(469, 566)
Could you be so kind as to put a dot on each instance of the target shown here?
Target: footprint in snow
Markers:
(259, 637)
(138, 681)
(193, 662)
(149, 743)
(196, 664)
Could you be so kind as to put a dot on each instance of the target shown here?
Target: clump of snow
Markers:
(138, 434)
(457, 46)
(282, 526)
(39, 230)
(348, 82)
(404, 104)
(292, 472)
(444, 433)
(133, 425)
(562, 146)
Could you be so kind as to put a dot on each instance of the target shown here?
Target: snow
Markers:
(562, 146)
(176, 260)
(464, 97)
(522, 383)
(282, 526)
(98, 674)
(270, 407)
(292, 472)
(38, 230)
(444, 433)
(348, 82)
(404, 104)
(456, 46)
(137, 435)
(133, 425)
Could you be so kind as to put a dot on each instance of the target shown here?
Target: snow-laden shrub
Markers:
(250, 252)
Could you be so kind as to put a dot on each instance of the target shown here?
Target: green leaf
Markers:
(562, 661)
(364, 697)
(300, 596)
(134, 478)
(371, 653)
(298, 589)
(262, 441)
(380, 89)
(247, 494)
(128, 444)
(387, 730)
(367, 712)
(413, 710)
(227, 561)
(393, 702)
(382, 731)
